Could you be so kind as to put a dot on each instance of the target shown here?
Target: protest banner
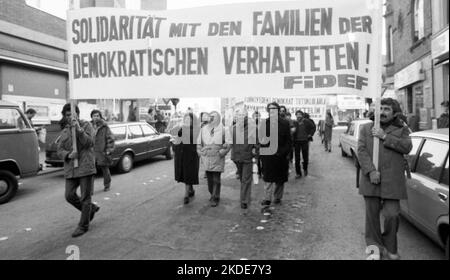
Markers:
(254, 49)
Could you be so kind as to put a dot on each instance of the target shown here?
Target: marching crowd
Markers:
(202, 143)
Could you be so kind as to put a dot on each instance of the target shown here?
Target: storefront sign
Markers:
(411, 74)
(253, 49)
(439, 45)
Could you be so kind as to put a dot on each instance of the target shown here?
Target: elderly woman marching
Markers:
(212, 150)
(186, 157)
(103, 146)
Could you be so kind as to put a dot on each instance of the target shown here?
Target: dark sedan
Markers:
(135, 141)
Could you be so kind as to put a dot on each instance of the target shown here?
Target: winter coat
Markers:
(103, 145)
(275, 167)
(244, 148)
(212, 148)
(186, 158)
(304, 130)
(391, 162)
(328, 131)
(85, 146)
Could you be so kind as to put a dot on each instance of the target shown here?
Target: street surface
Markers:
(143, 217)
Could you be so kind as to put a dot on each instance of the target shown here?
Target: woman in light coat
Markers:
(212, 150)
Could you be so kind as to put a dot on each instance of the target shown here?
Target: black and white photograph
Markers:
(208, 131)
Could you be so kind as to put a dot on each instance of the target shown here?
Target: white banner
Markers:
(255, 49)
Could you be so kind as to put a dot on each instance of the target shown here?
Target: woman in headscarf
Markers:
(186, 157)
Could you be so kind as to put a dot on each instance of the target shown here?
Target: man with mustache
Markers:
(383, 188)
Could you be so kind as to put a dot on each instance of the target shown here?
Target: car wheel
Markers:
(168, 153)
(125, 163)
(343, 152)
(8, 186)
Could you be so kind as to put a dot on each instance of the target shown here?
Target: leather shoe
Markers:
(78, 232)
(186, 200)
(244, 205)
(277, 201)
(94, 210)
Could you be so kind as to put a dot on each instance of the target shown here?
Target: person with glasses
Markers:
(212, 149)
(83, 175)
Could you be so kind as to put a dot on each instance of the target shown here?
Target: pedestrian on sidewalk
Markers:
(275, 167)
(83, 175)
(303, 131)
(103, 146)
(328, 131)
(384, 188)
(212, 149)
(244, 149)
(186, 158)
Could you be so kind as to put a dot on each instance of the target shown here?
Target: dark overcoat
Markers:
(186, 158)
(275, 167)
(103, 145)
(391, 162)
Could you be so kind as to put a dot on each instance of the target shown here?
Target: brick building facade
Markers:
(33, 59)
(409, 64)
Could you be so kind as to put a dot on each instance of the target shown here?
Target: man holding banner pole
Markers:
(76, 148)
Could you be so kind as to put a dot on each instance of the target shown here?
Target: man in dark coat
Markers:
(103, 146)
(303, 131)
(384, 188)
(83, 175)
(243, 150)
(275, 167)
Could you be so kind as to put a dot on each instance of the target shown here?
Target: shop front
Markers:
(413, 86)
(440, 57)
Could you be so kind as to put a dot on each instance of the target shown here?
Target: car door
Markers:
(348, 139)
(137, 141)
(155, 140)
(427, 195)
(120, 141)
(411, 157)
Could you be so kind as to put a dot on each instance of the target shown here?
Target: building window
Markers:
(390, 45)
(419, 22)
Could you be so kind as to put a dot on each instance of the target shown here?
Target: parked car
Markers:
(135, 141)
(19, 152)
(348, 141)
(427, 205)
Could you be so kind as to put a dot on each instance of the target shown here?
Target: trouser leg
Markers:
(246, 182)
(305, 154)
(86, 185)
(71, 193)
(373, 228)
(106, 176)
(297, 158)
(268, 191)
(216, 186)
(279, 190)
(210, 179)
(391, 214)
